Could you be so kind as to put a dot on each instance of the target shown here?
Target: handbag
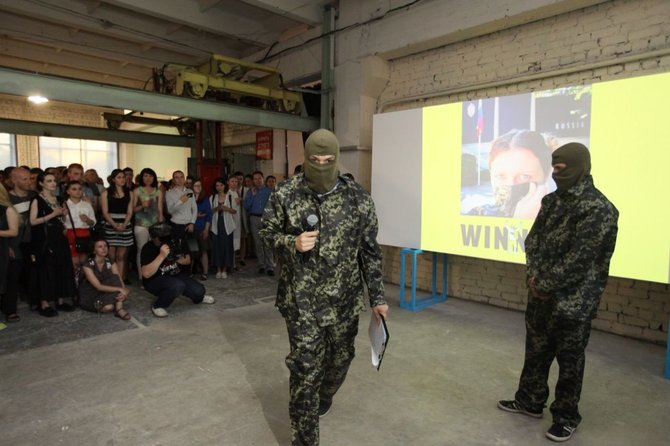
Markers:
(81, 244)
(98, 229)
(84, 245)
(37, 253)
(192, 244)
(25, 231)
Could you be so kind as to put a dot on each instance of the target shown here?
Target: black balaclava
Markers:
(577, 162)
(321, 178)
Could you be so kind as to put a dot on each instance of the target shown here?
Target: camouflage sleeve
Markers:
(594, 234)
(272, 229)
(370, 255)
(532, 258)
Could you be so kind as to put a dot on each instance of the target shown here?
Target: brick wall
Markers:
(589, 43)
(613, 40)
(632, 308)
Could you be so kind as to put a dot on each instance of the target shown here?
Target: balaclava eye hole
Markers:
(321, 178)
(577, 160)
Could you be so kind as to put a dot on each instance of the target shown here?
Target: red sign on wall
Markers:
(264, 145)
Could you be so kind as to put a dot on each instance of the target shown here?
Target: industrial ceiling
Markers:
(57, 44)
(119, 41)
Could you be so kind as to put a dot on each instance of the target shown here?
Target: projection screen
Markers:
(467, 178)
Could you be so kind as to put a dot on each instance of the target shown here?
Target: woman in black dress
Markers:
(9, 230)
(52, 274)
(102, 289)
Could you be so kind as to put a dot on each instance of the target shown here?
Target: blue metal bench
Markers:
(667, 355)
(414, 304)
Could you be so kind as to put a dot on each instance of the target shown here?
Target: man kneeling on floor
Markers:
(165, 265)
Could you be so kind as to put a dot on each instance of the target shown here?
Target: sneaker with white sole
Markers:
(218, 275)
(560, 432)
(224, 275)
(208, 299)
(515, 407)
(159, 312)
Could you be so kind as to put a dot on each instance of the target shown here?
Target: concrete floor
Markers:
(215, 375)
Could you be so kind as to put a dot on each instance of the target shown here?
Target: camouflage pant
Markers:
(549, 337)
(318, 362)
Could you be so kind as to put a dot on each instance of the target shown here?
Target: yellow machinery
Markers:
(238, 81)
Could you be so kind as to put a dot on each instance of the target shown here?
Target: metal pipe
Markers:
(22, 83)
(326, 69)
(33, 128)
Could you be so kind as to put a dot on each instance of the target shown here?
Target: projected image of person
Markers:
(520, 168)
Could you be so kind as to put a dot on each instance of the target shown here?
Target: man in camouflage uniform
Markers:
(320, 292)
(568, 253)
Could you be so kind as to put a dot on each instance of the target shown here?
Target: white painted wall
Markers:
(286, 143)
(162, 159)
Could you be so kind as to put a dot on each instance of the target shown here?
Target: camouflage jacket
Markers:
(569, 247)
(326, 282)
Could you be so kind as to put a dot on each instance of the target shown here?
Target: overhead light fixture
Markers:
(36, 99)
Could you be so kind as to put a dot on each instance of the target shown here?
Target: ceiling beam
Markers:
(206, 5)
(115, 23)
(91, 5)
(64, 57)
(214, 20)
(64, 71)
(78, 92)
(33, 128)
(304, 11)
(84, 42)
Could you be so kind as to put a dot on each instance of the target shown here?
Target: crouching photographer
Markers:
(165, 270)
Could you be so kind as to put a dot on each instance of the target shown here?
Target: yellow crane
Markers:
(234, 80)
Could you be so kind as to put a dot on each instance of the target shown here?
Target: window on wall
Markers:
(7, 150)
(99, 155)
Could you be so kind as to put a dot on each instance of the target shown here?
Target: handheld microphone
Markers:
(312, 221)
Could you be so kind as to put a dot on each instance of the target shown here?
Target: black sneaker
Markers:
(48, 312)
(261, 270)
(324, 407)
(560, 432)
(271, 272)
(65, 307)
(514, 407)
(12, 318)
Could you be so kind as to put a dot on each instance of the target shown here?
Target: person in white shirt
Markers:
(79, 220)
(225, 206)
(244, 186)
(182, 207)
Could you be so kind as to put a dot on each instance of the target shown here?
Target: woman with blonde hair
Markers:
(9, 230)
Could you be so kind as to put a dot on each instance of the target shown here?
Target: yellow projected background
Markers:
(631, 158)
(630, 150)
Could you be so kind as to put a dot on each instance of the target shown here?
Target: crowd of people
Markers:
(68, 241)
